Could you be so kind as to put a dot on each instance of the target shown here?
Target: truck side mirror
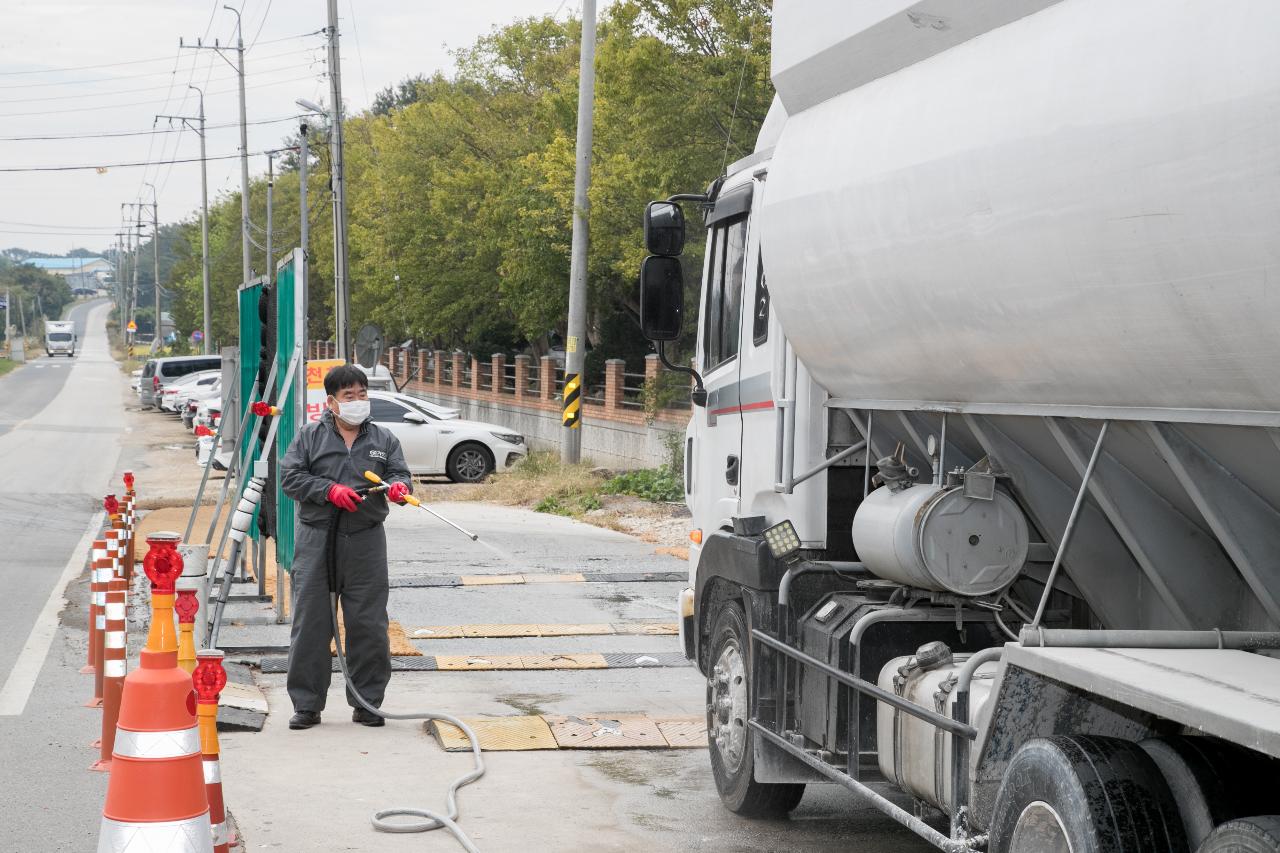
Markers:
(661, 298)
(664, 228)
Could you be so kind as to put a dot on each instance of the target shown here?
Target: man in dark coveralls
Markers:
(322, 470)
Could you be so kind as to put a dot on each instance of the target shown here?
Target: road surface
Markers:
(60, 425)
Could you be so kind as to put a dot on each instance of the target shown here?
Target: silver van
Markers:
(159, 372)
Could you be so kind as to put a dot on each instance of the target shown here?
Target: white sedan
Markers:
(465, 451)
(175, 394)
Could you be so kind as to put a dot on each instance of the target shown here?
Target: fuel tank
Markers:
(1079, 207)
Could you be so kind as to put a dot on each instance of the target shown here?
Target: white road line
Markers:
(26, 669)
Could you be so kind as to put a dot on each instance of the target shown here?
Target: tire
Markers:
(469, 463)
(1084, 795)
(1212, 781)
(1245, 835)
(732, 742)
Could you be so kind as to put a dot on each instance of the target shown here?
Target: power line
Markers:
(114, 79)
(83, 228)
(116, 134)
(105, 166)
(153, 101)
(103, 94)
(133, 61)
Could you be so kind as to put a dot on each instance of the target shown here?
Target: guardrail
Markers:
(524, 381)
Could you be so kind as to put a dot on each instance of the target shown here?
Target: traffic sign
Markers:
(133, 327)
(197, 335)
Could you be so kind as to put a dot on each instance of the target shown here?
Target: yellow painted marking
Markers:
(496, 734)
(569, 578)
(454, 632)
(605, 733)
(649, 629)
(690, 733)
(586, 661)
(457, 663)
(491, 580)
(598, 731)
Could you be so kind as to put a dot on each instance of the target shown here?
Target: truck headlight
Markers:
(508, 437)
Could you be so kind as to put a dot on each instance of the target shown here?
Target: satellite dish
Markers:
(369, 346)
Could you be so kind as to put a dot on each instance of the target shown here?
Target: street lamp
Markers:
(337, 182)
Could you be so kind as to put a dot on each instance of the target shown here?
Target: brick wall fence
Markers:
(524, 394)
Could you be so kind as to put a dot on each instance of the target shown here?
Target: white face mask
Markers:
(354, 412)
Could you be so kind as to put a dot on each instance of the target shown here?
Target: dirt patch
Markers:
(530, 703)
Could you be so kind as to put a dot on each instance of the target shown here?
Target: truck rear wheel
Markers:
(1084, 795)
(1245, 835)
(732, 742)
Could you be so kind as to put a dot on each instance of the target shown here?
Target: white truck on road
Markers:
(60, 337)
(984, 462)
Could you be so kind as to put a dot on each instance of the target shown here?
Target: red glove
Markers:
(343, 497)
(398, 492)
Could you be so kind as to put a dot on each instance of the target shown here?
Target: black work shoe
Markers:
(364, 718)
(304, 720)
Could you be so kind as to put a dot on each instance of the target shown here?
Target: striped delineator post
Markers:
(113, 670)
(156, 797)
(96, 554)
(126, 554)
(131, 524)
(102, 573)
(209, 679)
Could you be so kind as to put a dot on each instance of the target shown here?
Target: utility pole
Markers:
(575, 344)
(206, 341)
(304, 227)
(246, 261)
(341, 284)
(155, 254)
(271, 183)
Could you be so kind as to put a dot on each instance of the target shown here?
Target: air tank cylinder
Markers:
(937, 538)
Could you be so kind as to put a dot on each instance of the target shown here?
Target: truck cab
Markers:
(60, 338)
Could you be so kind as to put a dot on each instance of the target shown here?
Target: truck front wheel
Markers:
(1069, 794)
(728, 709)
(1245, 835)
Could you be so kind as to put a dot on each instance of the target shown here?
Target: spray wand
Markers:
(412, 501)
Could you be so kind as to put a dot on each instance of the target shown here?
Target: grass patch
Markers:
(7, 365)
(544, 484)
(651, 484)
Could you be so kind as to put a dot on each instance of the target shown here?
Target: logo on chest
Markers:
(377, 454)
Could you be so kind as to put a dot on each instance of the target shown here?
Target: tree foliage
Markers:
(460, 185)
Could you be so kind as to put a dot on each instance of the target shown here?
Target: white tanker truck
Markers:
(985, 454)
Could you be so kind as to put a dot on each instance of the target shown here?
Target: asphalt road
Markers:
(60, 426)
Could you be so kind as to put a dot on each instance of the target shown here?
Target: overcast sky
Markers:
(100, 67)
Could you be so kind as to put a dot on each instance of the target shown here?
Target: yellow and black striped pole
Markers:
(572, 416)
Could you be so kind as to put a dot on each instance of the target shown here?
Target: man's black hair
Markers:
(344, 376)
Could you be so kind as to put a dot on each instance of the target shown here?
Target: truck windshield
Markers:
(59, 337)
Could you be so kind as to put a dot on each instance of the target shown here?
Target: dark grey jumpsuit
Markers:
(316, 460)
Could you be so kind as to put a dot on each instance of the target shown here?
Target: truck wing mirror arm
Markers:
(699, 393)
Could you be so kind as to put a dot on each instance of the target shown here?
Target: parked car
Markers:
(465, 451)
(159, 372)
(193, 397)
(175, 394)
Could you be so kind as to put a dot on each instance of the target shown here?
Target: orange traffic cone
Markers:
(97, 553)
(113, 671)
(156, 797)
(210, 678)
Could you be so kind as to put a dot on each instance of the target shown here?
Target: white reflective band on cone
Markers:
(103, 575)
(115, 610)
(113, 669)
(99, 553)
(115, 639)
(212, 772)
(193, 835)
(219, 833)
(99, 598)
(131, 744)
(101, 622)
